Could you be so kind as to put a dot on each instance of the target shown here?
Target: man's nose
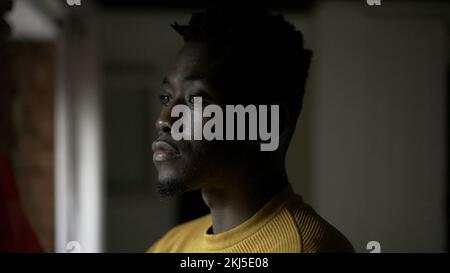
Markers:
(163, 126)
(164, 121)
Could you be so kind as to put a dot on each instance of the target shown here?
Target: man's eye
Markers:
(164, 99)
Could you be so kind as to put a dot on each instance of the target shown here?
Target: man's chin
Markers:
(170, 187)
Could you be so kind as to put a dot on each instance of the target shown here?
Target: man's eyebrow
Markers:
(165, 81)
(191, 77)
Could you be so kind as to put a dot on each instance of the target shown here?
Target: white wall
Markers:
(79, 187)
(376, 113)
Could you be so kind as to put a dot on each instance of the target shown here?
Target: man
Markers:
(238, 57)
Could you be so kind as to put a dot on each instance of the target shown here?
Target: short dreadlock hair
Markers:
(264, 54)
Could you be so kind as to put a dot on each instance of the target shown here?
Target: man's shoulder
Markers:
(176, 236)
(317, 235)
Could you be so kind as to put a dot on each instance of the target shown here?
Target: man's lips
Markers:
(163, 151)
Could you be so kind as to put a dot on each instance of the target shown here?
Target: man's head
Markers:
(230, 57)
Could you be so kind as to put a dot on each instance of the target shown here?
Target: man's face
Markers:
(189, 164)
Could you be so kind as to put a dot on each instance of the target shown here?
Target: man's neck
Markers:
(240, 198)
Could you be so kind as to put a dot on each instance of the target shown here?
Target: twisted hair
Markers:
(264, 53)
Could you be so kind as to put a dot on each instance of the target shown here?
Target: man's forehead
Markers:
(186, 72)
(194, 54)
(193, 62)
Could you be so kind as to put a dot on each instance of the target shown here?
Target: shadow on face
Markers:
(193, 164)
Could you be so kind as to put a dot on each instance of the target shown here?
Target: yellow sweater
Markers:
(284, 224)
